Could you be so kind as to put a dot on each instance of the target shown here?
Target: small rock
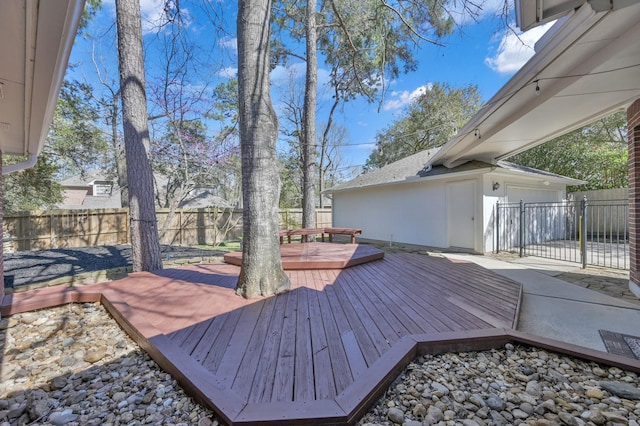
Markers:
(519, 414)
(477, 400)
(28, 317)
(94, 355)
(395, 415)
(557, 377)
(568, 419)
(623, 390)
(119, 396)
(435, 413)
(61, 418)
(59, 382)
(595, 393)
(419, 410)
(458, 396)
(495, 403)
(550, 405)
(527, 408)
(612, 417)
(439, 387)
(205, 421)
(594, 415)
(534, 389)
(16, 410)
(498, 419)
(600, 372)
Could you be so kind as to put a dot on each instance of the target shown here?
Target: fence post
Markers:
(583, 231)
(498, 227)
(522, 233)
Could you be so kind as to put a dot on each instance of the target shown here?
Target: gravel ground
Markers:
(30, 267)
(72, 365)
(515, 385)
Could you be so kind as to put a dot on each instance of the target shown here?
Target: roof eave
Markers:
(43, 45)
(412, 179)
(558, 39)
(563, 180)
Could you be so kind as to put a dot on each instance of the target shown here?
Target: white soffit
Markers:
(587, 67)
(36, 37)
(531, 13)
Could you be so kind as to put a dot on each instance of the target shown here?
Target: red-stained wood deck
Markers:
(319, 255)
(319, 354)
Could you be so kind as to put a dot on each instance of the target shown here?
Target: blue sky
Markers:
(484, 53)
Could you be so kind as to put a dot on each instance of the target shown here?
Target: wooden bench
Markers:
(343, 231)
(305, 232)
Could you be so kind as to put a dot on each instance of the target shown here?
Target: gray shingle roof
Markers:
(417, 166)
(394, 172)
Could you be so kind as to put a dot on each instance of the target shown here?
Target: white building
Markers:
(411, 202)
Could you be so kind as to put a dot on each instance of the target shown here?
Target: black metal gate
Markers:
(590, 233)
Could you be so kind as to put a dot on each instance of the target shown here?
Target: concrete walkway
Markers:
(559, 310)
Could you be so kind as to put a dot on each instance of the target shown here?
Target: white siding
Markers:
(512, 190)
(416, 212)
(413, 213)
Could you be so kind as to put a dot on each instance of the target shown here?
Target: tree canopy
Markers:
(428, 122)
(596, 153)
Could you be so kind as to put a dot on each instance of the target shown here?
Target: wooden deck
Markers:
(321, 353)
(319, 256)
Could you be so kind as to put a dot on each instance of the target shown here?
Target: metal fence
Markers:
(590, 233)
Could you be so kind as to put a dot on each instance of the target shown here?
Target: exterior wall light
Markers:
(496, 186)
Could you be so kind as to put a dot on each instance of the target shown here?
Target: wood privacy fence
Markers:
(84, 228)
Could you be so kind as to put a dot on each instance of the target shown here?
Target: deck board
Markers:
(267, 359)
(302, 354)
(339, 364)
(225, 331)
(251, 356)
(285, 367)
(304, 387)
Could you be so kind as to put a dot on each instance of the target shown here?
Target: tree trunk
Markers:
(120, 155)
(309, 122)
(261, 273)
(145, 245)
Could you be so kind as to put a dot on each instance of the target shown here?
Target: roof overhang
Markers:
(515, 171)
(36, 37)
(531, 13)
(586, 66)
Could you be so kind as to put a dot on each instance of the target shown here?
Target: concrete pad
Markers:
(559, 310)
(575, 322)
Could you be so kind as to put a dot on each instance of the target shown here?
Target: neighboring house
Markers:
(35, 42)
(94, 191)
(98, 191)
(411, 202)
(586, 67)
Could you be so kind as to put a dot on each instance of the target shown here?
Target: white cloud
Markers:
(152, 14)
(484, 9)
(281, 74)
(229, 43)
(228, 72)
(401, 99)
(515, 50)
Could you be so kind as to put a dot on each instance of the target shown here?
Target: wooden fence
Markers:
(85, 228)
